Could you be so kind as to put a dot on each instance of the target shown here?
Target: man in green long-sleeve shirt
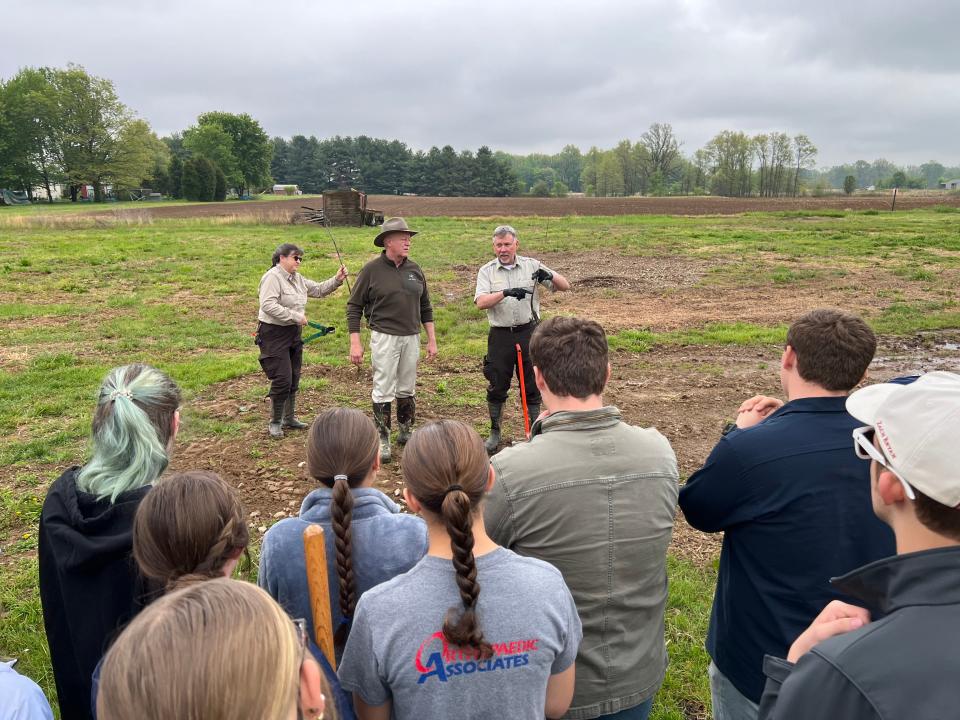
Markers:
(391, 293)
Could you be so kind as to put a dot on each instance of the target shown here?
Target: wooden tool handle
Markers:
(315, 551)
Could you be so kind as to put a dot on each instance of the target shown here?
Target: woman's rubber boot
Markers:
(276, 418)
(290, 414)
(381, 416)
(406, 416)
(493, 442)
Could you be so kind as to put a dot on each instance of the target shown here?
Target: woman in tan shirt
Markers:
(283, 302)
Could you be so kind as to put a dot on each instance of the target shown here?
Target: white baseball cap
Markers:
(918, 427)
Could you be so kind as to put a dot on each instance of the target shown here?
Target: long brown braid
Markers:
(187, 528)
(445, 467)
(341, 449)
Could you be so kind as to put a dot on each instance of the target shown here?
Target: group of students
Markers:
(143, 619)
(434, 619)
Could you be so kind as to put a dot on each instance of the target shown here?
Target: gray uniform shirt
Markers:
(283, 295)
(396, 651)
(494, 277)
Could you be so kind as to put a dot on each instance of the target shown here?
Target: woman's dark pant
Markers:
(281, 355)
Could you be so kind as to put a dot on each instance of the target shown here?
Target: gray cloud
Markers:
(862, 79)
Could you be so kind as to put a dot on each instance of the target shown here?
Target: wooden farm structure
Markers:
(349, 207)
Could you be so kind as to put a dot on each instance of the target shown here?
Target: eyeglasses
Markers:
(865, 449)
(298, 258)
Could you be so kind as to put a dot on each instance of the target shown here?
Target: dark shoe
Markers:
(493, 442)
(381, 416)
(275, 427)
(290, 414)
(406, 416)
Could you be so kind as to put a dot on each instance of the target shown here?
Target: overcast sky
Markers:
(862, 79)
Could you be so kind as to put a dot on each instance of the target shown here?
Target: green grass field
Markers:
(181, 294)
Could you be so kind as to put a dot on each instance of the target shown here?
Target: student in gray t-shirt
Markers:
(490, 634)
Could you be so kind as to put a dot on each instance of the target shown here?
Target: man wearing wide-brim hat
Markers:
(391, 293)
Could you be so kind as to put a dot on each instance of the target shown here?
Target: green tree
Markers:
(199, 180)
(214, 143)
(609, 175)
(849, 184)
(220, 184)
(804, 153)
(99, 141)
(663, 151)
(559, 189)
(899, 179)
(29, 127)
(251, 149)
(569, 165)
(540, 189)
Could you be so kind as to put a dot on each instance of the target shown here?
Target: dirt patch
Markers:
(283, 210)
(687, 392)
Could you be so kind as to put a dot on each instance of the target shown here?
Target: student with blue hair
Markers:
(89, 585)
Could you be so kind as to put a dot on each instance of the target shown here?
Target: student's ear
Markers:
(538, 379)
(789, 359)
(491, 477)
(376, 462)
(312, 701)
(411, 501)
(889, 488)
(609, 373)
(175, 423)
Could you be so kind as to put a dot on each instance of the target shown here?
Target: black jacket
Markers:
(904, 664)
(89, 585)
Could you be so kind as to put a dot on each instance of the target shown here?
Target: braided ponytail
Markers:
(341, 515)
(342, 447)
(188, 528)
(446, 467)
(464, 631)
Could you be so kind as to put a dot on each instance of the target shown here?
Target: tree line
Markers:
(389, 167)
(732, 163)
(64, 126)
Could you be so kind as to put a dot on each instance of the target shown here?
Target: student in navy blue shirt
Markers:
(793, 503)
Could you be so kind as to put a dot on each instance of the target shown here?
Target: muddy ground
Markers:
(687, 392)
(280, 210)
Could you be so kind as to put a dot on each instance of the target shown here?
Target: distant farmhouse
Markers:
(951, 184)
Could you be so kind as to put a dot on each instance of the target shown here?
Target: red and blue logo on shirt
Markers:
(448, 661)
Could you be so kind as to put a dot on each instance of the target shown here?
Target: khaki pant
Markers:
(394, 359)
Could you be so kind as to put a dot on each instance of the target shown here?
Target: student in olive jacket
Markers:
(596, 498)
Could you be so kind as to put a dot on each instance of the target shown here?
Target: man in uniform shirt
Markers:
(391, 293)
(503, 285)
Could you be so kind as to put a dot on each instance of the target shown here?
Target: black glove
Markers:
(518, 293)
(541, 275)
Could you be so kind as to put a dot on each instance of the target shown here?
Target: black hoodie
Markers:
(89, 585)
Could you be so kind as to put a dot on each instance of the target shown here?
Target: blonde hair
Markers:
(218, 650)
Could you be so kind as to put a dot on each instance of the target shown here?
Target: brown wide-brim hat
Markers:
(394, 224)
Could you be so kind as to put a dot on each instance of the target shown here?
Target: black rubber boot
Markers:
(381, 416)
(276, 418)
(533, 410)
(290, 414)
(406, 416)
(493, 442)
